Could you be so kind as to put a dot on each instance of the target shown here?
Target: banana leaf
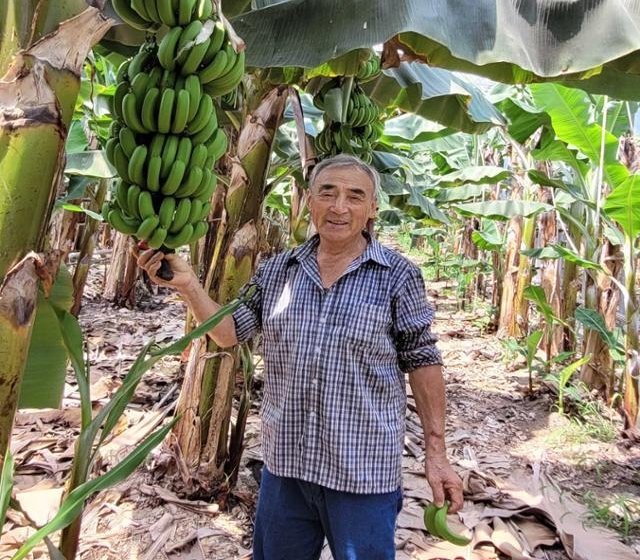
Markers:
(437, 95)
(489, 238)
(476, 175)
(44, 374)
(572, 123)
(457, 194)
(592, 320)
(92, 163)
(623, 206)
(513, 42)
(6, 485)
(408, 128)
(502, 209)
(559, 252)
(410, 200)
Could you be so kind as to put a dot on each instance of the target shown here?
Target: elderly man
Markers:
(343, 319)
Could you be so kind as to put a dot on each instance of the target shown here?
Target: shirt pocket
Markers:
(367, 327)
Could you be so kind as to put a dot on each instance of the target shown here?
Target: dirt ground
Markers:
(493, 430)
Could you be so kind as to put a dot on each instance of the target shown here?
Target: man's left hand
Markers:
(444, 482)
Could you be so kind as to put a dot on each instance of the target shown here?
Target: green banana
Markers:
(191, 184)
(179, 84)
(120, 223)
(203, 115)
(121, 163)
(136, 164)
(152, 10)
(198, 156)
(194, 87)
(114, 128)
(187, 37)
(130, 114)
(140, 61)
(174, 179)
(214, 69)
(185, 147)
(194, 213)
(167, 208)
(185, 11)
(166, 13)
(153, 173)
(217, 146)
(167, 49)
(139, 87)
(205, 193)
(118, 97)
(217, 39)
(156, 145)
(210, 163)
(205, 9)
(181, 114)
(122, 189)
(133, 192)
(206, 133)
(130, 16)
(194, 58)
(180, 238)
(166, 110)
(145, 205)
(183, 211)
(199, 230)
(122, 73)
(169, 155)
(206, 208)
(127, 141)
(429, 520)
(150, 109)
(157, 239)
(168, 80)
(147, 227)
(155, 75)
(228, 81)
(110, 148)
(440, 525)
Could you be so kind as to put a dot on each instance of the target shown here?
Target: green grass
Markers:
(620, 512)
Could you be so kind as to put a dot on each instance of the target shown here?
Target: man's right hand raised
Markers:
(184, 278)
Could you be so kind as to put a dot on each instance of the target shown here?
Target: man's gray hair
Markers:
(347, 160)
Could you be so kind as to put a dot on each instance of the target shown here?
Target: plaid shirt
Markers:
(334, 402)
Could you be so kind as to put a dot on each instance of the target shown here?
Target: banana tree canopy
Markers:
(593, 42)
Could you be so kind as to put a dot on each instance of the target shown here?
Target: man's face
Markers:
(342, 201)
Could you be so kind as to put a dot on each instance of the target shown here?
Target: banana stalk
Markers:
(37, 98)
(206, 403)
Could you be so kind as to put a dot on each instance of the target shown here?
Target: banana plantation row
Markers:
(524, 193)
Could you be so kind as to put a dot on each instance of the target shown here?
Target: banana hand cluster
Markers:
(165, 140)
(435, 521)
(355, 136)
(369, 70)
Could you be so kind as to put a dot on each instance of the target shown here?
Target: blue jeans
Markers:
(295, 516)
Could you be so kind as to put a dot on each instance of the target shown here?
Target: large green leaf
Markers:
(477, 175)
(6, 484)
(591, 319)
(43, 379)
(408, 128)
(559, 252)
(91, 163)
(569, 110)
(504, 40)
(623, 205)
(489, 238)
(437, 95)
(502, 209)
(457, 194)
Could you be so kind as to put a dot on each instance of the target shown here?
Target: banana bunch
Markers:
(148, 15)
(435, 520)
(357, 134)
(369, 69)
(164, 140)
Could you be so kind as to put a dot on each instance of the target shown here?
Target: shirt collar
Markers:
(374, 250)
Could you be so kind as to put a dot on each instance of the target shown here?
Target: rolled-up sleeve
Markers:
(413, 315)
(248, 317)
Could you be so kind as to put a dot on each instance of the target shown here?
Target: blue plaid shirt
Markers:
(333, 411)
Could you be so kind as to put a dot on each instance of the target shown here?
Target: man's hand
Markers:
(444, 482)
(183, 277)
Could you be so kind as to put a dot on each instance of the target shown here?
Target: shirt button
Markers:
(317, 349)
(314, 380)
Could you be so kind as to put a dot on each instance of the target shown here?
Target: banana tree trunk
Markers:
(520, 318)
(37, 99)
(122, 275)
(205, 402)
(631, 372)
(598, 373)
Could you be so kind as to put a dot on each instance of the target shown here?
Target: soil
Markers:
(492, 422)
